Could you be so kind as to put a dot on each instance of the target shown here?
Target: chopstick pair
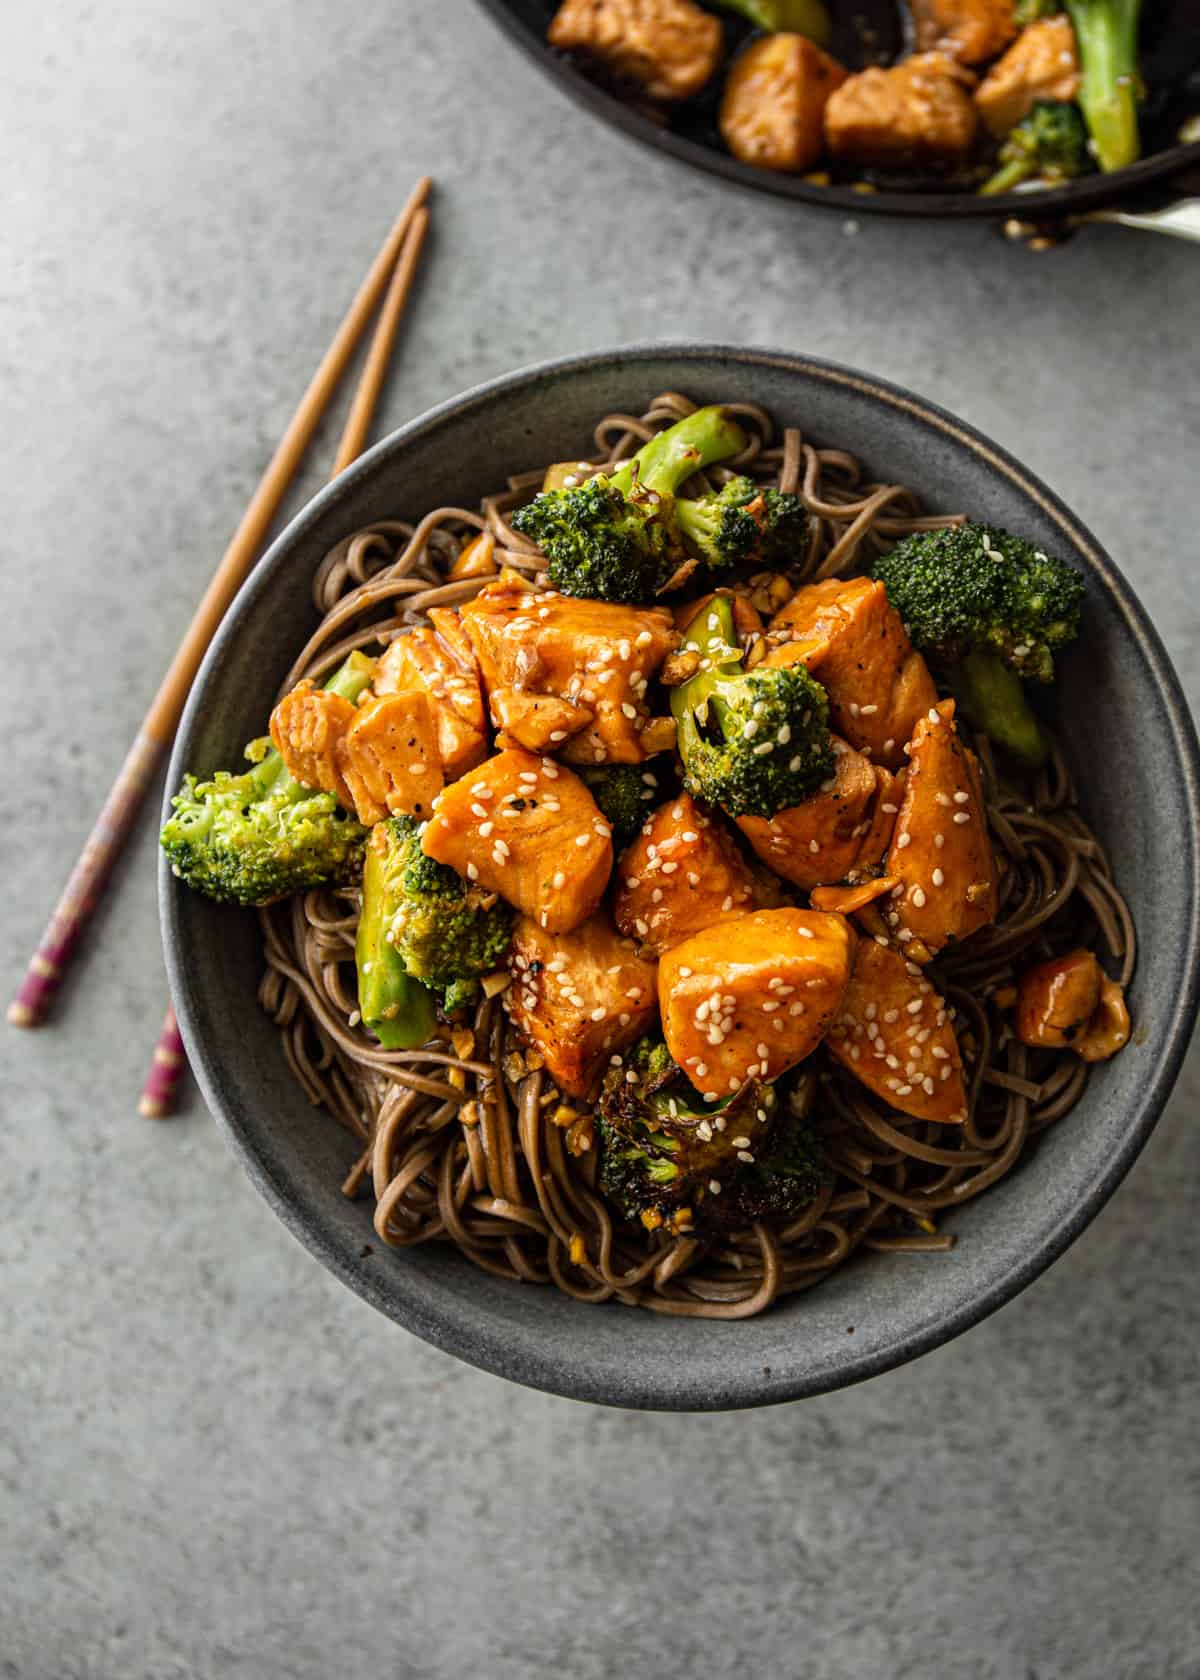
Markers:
(392, 274)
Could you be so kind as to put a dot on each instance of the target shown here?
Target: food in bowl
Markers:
(664, 873)
(982, 95)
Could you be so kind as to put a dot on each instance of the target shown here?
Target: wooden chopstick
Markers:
(169, 1061)
(91, 872)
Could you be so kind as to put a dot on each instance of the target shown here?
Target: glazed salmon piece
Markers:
(594, 656)
(579, 997)
(1070, 1003)
(438, 659)
(893, 1032)
(940, 851)
(917, 114)
(682, 873)
(307, 727)
(1040, 64)
(773, 107)
(388, 757)
(846, 901)
(670, 48)
(856, 646)
(844, 827)
(528, 829)
(971, 31)
(750, 999)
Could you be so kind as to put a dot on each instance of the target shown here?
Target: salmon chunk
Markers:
(749, 1000)
(528, 829)
(682, 874)
(940, 851)
(388, 757)
(773, 108)
(971, 31)
(917, 114)
(579, 997)
(843, 827)
(893, 1032)
(307, 727)
(593, 659)
(856, 646)
(1071, 1003)
(670, 48)
(1040, 64)
(438, 659)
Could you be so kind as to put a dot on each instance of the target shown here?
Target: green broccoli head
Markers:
(975, 586)
(616, 537)
(1050, 144)
(752, 742)
(667, 1158)
(260, 836)
(745, 524)
(445, 932)
(624, 793)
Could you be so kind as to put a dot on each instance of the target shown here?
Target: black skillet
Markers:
(870, 31)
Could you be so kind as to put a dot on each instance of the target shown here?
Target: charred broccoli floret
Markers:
(1050, 144)
(991, 609)
(795, 17)
(624, 793)
(616, 537)
(668, 1159)
(421, 925)
(752, 742)
(1106, 37)
(745, 523)
(260, 836)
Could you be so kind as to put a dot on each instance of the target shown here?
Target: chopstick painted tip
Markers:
(157, 1100)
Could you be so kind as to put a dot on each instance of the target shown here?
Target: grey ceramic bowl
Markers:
(1120, 703)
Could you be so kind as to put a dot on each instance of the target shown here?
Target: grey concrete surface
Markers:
(213, 1460)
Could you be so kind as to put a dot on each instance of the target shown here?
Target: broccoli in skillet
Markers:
(1106, 37)
(1050, 144)
(260, 836)
(625, 794)
(617, 538)
(424, 933)
(991, 609)
(745, 523)
(792, 17)
(668, 1159)
(752, 742)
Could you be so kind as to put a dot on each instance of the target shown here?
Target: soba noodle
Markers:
(459, 1144)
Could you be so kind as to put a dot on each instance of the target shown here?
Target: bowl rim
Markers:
(493, 1347)
(1087, 192)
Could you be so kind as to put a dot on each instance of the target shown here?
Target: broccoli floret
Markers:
(623, 792)
(261, 836)
(1106, 38)
(1050, 143)
(421, 921)
(991, 609)
(616, 538)
(795, 17)
(752, 742)
(663, 1151)
(744, 523)
(668, 1159)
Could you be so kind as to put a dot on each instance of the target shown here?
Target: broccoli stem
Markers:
(994, 698)
(716, 642)
(670, 458)
(349, 681)
(396, 1008)
(1106, 36)
(1010, 175)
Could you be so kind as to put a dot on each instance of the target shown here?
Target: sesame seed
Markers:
(915, 1006)
(962, 816)
(472, 872)
(960, 798)
(749, 730)
(559, 880)
(938, 878)
(669, 868)
(744, 1155)
(903, 840)
(918, 898)
(582, 839)
(868, 711)
(710, 1096)
(806, 933)
(714, 1184)
(763, 1052)
(485, 829)
(701, 1069)
(939, 841)
(558, 734)
(942, 798)
(890, 809)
